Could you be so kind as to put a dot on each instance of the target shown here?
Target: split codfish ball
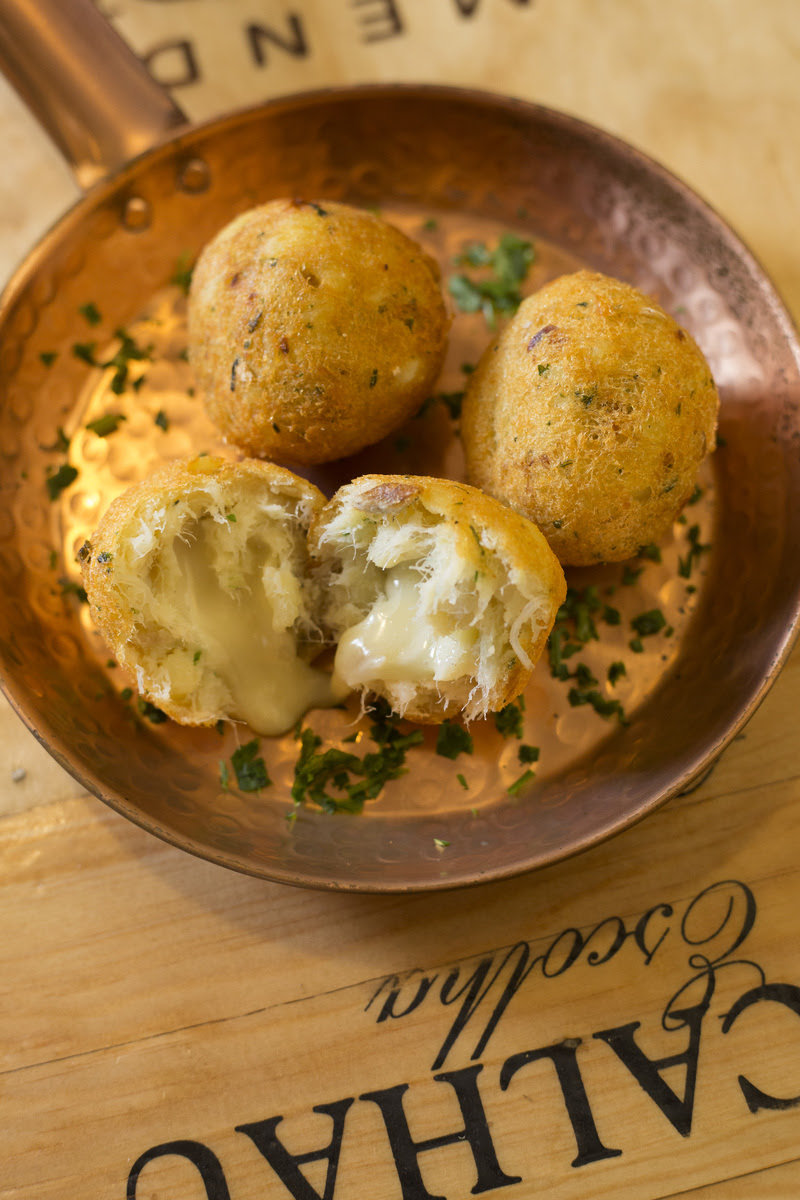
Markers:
(314, 329)
(591, 414)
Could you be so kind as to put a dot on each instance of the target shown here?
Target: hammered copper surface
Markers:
(479, 164)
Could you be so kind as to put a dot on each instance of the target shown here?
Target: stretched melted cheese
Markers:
(395, 644)
(271, 688)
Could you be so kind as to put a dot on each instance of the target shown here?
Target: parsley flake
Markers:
(462, 780)
(602, 706)
(315, 771)
(249, 767)
(90, 313)
(516, 787)
(161, 420)
(182, 275)
(62, 478)
(153, 714)
(528, 754)
(696, 549)
(453, 740)
(107, 424)
(615, 672)
(649, 623)
(69, 588)
(85, 352)
(498, 294)
(509, 720)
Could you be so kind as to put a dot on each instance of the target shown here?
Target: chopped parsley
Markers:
(182, 275)
(107, 424)
(440, 843)
(196, 657)
(85, 352)
(584, 676)
(602, 706)
(231, 517)
(509, 719)
(636, 645)
(528, 754)
(696, 549)
(315, 772)
(696, 494)
(630, 575)
(249, 767)
(462, 780)
(69, 588)
(153, 714)
(224, 774)
(430, 225)
(498, 294)
(48, 357)
(452, 402)
(615, 672)
(649, 623)
(61, 444)
(91, 313)
(516, 787)
(161, 420)
(126, 694)
(453, 740)
(611, 616)
(128, 352)
(373, 379)
(650, 551)
(60, 479)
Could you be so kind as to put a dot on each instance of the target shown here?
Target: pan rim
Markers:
(185, 140)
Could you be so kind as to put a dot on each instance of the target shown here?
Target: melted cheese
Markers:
(270, 687)
(395, 644)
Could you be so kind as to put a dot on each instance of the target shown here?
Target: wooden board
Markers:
(152, 1000)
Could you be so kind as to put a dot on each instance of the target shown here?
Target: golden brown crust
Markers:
(591, 414)
(484, 529)
(314, 329)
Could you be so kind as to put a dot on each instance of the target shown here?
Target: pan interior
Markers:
(480, 168)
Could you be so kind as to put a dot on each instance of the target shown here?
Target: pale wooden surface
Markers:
(149, 997)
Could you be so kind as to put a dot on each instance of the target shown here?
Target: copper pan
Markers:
(477, 162)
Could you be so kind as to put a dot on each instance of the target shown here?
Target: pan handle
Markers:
(84, 85)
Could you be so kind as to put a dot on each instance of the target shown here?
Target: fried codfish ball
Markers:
(198, 580)
(591, 414)
(441, 598)
(314, 329)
